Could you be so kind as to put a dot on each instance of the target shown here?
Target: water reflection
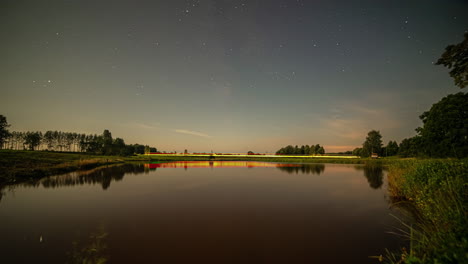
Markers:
(305, 169)
(91, 251)
(374, 175)
(234, 215)
(105, 176)
(102, 176)
(218, 164)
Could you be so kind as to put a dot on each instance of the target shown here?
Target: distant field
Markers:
(254, 156)
(265, 158)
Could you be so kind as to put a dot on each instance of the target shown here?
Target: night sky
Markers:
(227, 76)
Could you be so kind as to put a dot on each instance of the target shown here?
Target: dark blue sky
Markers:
(227, 76)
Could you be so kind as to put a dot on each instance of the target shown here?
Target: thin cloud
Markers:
(142, 125)
(193, 133)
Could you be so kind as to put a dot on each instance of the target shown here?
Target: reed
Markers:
(435, 192)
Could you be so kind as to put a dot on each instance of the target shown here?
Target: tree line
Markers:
(374, 145)
(444, 130)
(302, 150)
(103, 144)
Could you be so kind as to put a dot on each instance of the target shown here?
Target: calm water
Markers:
(200, 212)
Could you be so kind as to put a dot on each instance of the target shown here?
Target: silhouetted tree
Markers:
(455, 58)
(321, 150)
(391, 149)
(118, 147)
(139, 149)
(106, 142)
(32, 140)
(373, 144)
(4, 133)
(445, 127)
(303, 150)
(410, 147)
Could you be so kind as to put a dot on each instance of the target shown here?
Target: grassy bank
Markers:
(23, 165)
(437, 193)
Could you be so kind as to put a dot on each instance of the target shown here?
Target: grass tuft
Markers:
(436, 192)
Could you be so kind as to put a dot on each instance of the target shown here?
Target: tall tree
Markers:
(373, 143)
(455, 58)
(107, 142)
(118, 147)
(4, 133)
(33, 140)
(321, 150)
(445, 127)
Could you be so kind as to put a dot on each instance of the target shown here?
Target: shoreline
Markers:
(22, 165)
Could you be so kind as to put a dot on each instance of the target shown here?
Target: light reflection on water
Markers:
(207, 212)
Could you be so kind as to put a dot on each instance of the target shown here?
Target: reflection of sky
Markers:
(202, 213)
(227, 76)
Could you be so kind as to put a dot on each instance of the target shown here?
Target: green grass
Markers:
(18, 165)
(437, 193)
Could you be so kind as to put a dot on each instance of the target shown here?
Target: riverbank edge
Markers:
(19, 165)
(408, 180)
(434, 193)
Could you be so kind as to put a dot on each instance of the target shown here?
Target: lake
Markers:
(201, 212)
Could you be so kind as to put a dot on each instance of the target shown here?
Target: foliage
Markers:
(445, 127)
(357, 152)
(303, 150)
(32, 140)
(68, 141)
(455, 58)
(373, 144)
(410, 147)
(391, 149)
(107, 143)
(4, 133)
(437, 190)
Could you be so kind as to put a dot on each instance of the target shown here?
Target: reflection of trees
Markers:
(91, 251)
(103, 176)
(304, 168)
(374, 175)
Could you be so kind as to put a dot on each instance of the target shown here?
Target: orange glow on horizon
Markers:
(217, 164)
